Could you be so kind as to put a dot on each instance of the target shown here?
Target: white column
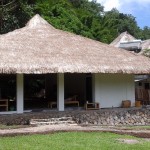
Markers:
(60, 92)
(20, 93)
(95, 88)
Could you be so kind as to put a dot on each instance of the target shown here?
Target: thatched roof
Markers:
(146, 44)
(145, 48)
(123, 37)
(40, 48)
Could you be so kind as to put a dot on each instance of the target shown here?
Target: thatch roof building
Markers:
(40, 48)
(123, 37)
(146, 44)
(145, 48)
(128, 42)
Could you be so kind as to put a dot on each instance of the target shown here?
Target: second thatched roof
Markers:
(123, 37)
(146, 44)
(146, 48)
(40, 48)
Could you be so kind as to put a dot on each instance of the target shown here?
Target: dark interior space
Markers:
(40, 89)
(89, 88)
(34, 91)
(7, 92)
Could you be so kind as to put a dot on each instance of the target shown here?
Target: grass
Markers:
(72, 141)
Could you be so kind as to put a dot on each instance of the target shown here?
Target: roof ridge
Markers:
(36, 21)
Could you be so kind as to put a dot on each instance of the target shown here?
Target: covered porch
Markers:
(106, 89)
(28, 92)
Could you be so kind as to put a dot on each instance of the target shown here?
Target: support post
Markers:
(95, 83)
(60, 92)
(20, 93)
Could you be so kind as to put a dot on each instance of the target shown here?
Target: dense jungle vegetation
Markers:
(78, 16)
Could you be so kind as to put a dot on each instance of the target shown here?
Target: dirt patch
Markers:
(139, 134)
(4, 127)
(128, 141)
(148, 140)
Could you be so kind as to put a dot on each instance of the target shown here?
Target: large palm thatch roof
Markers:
(40, 48)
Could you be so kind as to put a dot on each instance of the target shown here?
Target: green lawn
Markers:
(72, 141)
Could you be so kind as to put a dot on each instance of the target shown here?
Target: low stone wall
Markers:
(115, 116)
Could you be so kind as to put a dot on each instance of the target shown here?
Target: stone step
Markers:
(52, 121)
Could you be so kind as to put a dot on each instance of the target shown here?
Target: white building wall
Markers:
(111, 89)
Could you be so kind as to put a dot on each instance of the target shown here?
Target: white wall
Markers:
(111, 89)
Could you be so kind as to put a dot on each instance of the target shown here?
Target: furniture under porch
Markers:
(142, 95)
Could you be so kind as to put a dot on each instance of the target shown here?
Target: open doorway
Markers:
(142, 89)
(75, 86)
(34, 91)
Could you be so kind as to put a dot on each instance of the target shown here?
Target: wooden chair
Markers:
(4, 103)
(70, 100)
(143, 95)
(145, 100)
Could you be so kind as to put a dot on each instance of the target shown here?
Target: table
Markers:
(92, 106)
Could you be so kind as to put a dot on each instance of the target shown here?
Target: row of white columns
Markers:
(20, 92)
(60, 91)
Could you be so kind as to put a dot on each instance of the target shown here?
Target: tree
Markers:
(145, 33)
(83, 17)
(14, 15)
(117, 22)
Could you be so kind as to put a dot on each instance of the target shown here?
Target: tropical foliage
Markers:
(78, 16)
